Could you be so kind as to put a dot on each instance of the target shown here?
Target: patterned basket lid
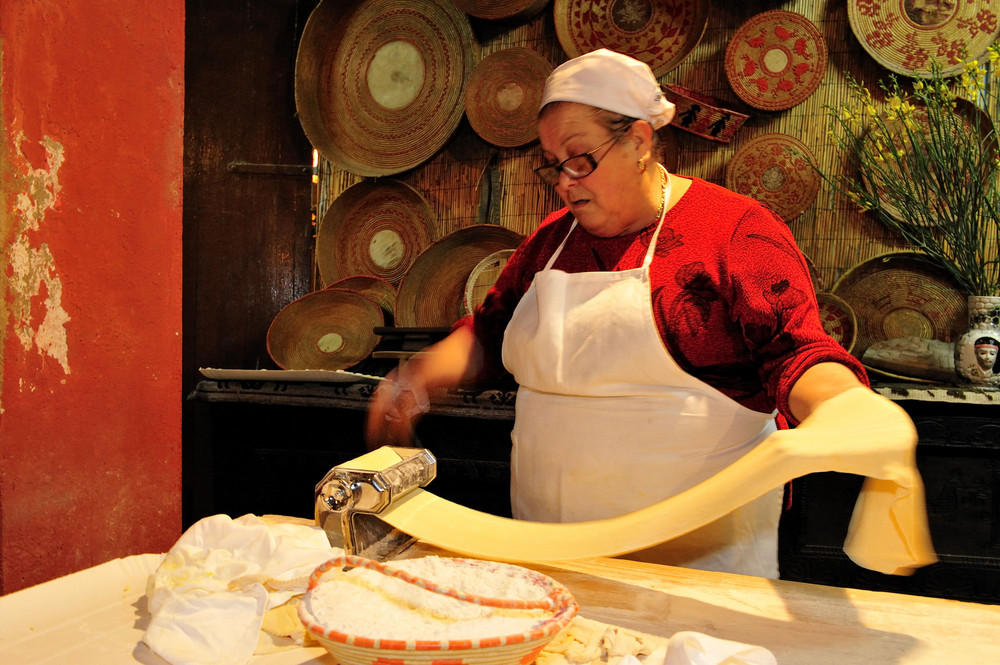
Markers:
(776, 60)
(774, 169)
(902, 294)
(496, 10)
(330, 329)
(660, 33)
(907, 37)
(838, 319)
(379, 83)
(432, 293)
(503, 96)
(376, 288)
(704, 115)
(373, 228)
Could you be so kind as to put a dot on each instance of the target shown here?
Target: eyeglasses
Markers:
(577, 166)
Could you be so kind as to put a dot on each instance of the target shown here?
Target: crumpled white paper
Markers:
(208, 597)
(691, 648)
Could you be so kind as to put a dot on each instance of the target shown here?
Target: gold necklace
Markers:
(663, 194)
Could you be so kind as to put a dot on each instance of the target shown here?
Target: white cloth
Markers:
(208, 597)
(691, 648)
(607, 422)
(611, 81)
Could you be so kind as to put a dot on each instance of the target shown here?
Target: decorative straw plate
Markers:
(503, 96)
(970, 120)
(907, 37)
(329, 329)
(660, 33)
(703, 115)
(373, 228)
(498, 10)
(774, 169)
(838, 319)
(776, 60)
(375, 288)
(432, 293)
(378, 83)
(483, 277)
(902, 294)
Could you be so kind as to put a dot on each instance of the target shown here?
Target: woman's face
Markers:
(610, 200)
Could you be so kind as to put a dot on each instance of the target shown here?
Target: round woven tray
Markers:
(432, 293)
(776, 60)
(838, 319)
(774, 169)
(378, 83)
(501, 9)
(373, 228)
(971, 120)
(902, 294)
(330, 329)
(660, 33)
(503, 95)
(907, 37)
(375, 288)
(703, 115)
(483, 277)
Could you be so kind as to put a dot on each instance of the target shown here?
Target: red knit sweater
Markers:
(731, 292)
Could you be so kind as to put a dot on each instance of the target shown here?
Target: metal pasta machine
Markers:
(351, 496)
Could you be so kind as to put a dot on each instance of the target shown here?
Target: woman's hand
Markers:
(398, 402)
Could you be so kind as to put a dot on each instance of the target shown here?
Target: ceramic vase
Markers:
(977, 351)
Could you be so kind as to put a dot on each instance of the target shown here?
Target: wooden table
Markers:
(802, 624)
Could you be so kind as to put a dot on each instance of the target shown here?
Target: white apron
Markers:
(607, 422)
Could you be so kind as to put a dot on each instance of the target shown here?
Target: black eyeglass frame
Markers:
(549, 173)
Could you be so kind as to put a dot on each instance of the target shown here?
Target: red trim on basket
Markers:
(395, 645)
(388, 661)
(427, 645)
(488, 642)
(460, 644)
(360, 641)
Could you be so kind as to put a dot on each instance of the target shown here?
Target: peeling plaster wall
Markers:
(90, 282)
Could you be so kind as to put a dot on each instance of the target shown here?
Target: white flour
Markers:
(367, 603)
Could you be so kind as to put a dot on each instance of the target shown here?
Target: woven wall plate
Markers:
(375, 288)
(775, 60)
(660, 33)
(838, 319)
(902, 294)
(503, 95)
(432, 293)
(703, 115)
(498, 10)
(907, 37)
(378, 83)
(970, 121)
(373, 228)
(483, 277)
(329, 329)
(774, 169)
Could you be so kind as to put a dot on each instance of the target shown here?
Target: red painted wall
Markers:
(90, 314)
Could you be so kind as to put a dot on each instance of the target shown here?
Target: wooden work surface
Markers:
(800, 623)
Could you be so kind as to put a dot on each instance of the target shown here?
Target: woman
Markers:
(655, 326)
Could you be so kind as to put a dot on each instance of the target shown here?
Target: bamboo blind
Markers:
(470, 182)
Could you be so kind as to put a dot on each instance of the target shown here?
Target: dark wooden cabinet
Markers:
(273, 441)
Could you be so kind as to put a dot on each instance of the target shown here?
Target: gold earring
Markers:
(641, 164)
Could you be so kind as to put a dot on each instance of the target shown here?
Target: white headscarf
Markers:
(612, 81)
